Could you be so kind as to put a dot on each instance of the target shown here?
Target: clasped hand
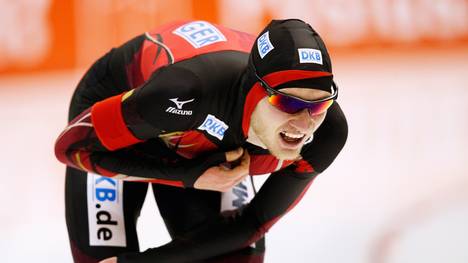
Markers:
(221, 178)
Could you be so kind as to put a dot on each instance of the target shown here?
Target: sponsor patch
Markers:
(200, 33)
(264, 44)
(238, 197)
(105, 211)
(310, 55)
(214, 127)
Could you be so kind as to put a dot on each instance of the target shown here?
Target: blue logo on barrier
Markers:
(200, 33)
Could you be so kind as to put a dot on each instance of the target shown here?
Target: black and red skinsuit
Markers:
(164, 107)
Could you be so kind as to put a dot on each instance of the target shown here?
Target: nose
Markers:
(302, 121)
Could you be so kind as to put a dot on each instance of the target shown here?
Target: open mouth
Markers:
(292, 139)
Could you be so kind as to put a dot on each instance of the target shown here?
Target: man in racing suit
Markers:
(193, 108)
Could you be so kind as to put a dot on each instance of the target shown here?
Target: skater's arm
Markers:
(280, 193)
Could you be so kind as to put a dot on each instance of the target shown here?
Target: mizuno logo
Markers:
(180, 104)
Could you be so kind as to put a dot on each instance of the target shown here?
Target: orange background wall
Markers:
(68, 34)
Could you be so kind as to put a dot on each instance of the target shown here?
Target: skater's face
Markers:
(282, 133)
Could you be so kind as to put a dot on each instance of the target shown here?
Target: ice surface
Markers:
(397, 192)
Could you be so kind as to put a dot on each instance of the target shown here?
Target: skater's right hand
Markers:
(220, 178)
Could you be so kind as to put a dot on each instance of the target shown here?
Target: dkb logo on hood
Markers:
(264, 44)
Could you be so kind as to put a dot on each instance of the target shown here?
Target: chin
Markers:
(281, 151)
(287, 155)
(284, 154)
